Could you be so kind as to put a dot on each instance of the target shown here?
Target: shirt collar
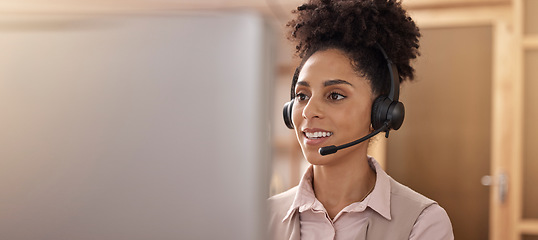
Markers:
(304, 197)
(378, 199)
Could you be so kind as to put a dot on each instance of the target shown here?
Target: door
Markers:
(443, 148)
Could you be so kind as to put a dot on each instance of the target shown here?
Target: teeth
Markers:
(318, 134)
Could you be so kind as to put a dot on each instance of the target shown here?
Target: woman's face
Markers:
(332, 106)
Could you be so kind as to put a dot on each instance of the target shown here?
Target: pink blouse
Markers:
(433, 223)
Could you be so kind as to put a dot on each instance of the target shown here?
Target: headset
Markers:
(387, 111)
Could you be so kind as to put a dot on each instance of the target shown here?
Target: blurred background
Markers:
(137, 119)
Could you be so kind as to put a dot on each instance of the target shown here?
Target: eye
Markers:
(301, 97)
(336, 96)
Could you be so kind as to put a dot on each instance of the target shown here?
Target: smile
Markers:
(316, 135)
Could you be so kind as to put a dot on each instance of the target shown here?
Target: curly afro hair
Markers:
(355, 26)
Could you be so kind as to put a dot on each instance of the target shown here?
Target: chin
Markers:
(314, 158)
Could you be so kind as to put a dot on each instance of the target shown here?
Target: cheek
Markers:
(357, 117)
(297, 119)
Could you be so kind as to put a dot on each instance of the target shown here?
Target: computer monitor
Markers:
(140, 126)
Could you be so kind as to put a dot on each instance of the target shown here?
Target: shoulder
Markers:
(283, 197)
(279, 204)
(290, 193)
(433, 223)
(403, 193)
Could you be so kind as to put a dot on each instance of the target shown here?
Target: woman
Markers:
(338, 92)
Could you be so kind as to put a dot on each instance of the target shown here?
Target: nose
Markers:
(313, 109)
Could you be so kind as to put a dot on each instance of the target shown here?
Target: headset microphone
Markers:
(332, 149)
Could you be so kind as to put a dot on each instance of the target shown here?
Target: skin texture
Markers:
(332, 97)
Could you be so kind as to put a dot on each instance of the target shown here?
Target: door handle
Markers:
(501, 182)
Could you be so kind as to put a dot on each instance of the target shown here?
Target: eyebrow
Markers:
(303, 83)
(336, 82)
(326, 83)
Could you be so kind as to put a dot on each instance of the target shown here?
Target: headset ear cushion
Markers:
(379, 111)
(396, 115)
(288, 107)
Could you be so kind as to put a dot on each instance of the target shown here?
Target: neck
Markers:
(337, 186)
